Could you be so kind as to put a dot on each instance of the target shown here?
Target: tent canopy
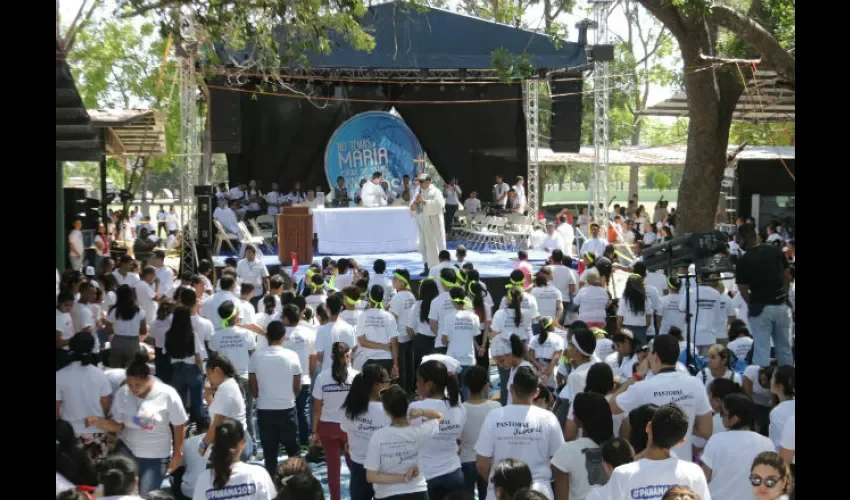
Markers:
(657, 156)
(131, 132)
(431, 38)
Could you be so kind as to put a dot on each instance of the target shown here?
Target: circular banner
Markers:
(370, 142)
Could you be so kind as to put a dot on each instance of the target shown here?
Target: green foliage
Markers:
(510, 66)
(782, 18)
(661, 178)
(661, 181)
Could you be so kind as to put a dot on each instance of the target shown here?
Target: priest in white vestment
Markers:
(428, 207)
(372, 193)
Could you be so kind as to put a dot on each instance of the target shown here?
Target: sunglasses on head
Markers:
(770, 481)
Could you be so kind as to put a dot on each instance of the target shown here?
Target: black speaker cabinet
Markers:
(226, 121)
(566, 112)
(204, 191)
(205, 220)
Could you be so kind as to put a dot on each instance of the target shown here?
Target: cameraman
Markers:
(763, 278)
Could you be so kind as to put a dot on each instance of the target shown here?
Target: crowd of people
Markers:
(595, 395)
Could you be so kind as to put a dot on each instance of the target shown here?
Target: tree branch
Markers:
(153, 6)
(662, 37)
(760, 38)
(669, 16)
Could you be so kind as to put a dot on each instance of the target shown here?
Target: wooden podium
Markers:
(295, 234)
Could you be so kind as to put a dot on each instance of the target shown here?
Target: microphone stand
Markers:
(690, 361)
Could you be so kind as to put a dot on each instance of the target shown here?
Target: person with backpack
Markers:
(720, 365)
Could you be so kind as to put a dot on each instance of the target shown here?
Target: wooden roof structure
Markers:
(645, 156)
(131, 132)
(765, 99)
(76, 140)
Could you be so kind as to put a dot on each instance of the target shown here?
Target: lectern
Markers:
(295, 234)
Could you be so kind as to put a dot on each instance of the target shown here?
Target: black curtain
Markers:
(471, 142)
(283, 139)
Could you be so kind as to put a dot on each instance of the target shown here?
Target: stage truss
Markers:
(191, 155)
(531, 90)
(598, 202)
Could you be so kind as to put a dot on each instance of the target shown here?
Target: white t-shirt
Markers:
(378, 326)
(547, 298)
(545, 352)
(327, 335)
(562, 278)
(158, 329)
(528, 433)
(400, 306)
(246, 312)
(685, 391)
(498, 191)
(631, 318)
(361, 429)
(788, 439)
(301, 340)
(471, 205)
(204, 330)
(741, 346)
(604, 348)
(252, 272)
(475, 415)
(350, 316)
(147, 421)
(591, 302)
(332, 394)
(82, 317)
(247, 482)
(461, 327)
(413, 322)
(706, 377)
(145, 294)
(451, 363)
(229, 402)
(709, 321)
(440, 453)
(209, 309)
(650, 479)
(65, 324)
(440, 307)
(779, 416)
(275, 368)
(130, 279)
(128, 328)
(670, 314)
(582, 460)
(235, 342)
(761, 395)
(395, 450)
(80, 388)
(528, 302)
(195, 464)
(504, 323)
(511, 378)
(730, 456)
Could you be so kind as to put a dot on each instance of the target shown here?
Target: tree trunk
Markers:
(145, 202)
(634, 178)
(712, 97)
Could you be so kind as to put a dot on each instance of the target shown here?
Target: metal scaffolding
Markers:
(531, 89)
(189, 141)
(598, 201)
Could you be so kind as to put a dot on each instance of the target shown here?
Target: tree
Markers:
(660, 181)
(714, 84)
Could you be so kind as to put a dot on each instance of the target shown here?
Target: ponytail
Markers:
(376, 297)
(228, 434)
(81, 346)
(515, 296)
(546, 323)
(517, 347)
(436, 372)
(357, 401)
(269, 304)
(139, 367)
(339, 368)
(118, 476)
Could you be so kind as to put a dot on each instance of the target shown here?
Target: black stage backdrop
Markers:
(283, 139)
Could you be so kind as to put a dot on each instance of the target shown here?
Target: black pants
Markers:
(405, 366)
(423, 345)
(277, 427)
(163, 365)
(422, 495)
(450, 216)
(482, 361)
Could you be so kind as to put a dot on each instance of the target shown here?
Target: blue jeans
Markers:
(358, 487)
(504, 390)
(277, 427)
(639, 332)
(188, 381)
(304, 407)
(441, 486)
(774, 322)
(464, 390)
(474, 480)
(151, 470)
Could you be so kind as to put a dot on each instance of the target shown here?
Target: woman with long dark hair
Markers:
(364, 414)
(228, 476)
(510, 476)
(634, 311)
(545, 351)
(73, 466)
(126, 325)
(82, 389)
(783, 388)
(482, 305)
(440, 392)
(600, 380)
(159, 327)
(183, 347)
(634, 428)
(459, 327)
(146, 413)
(238, 345)
(330, 390)
(225, 400)
(400, 305)
(514, 318)
(575, 472)
(418, 326)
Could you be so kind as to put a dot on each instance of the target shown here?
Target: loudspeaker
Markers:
(77, 206)
(204, 191)
(566, 112)
(226, 121)
(205, 220)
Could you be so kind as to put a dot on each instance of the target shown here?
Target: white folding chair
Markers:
(222, 237)
(246, 238)
(266, 234)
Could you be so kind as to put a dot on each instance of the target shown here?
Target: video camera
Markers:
(708, 251)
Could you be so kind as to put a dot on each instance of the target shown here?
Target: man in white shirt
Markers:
(500, 192)
(668, 386)
(237, 193)
(209, 309)
(372, 193)
(171, 221)
(564, 280)
(711, 313)
(274, 376)
(659, 470)
(568, 234)
(595, 243)
(203, 327)
(75, 246)
(146, 295)
(274, 199)
(405, 187)
(164, 274)
(122, 274)
(445, 261)
(472, 204)
(452, 194)
(553, 239)
(251, 270)
(161, 215)
(333, 331)
(520, 194)
(228, 220)
(522, 431)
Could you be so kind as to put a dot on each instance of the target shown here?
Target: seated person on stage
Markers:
(238, 192)
(340, 194)
(297, 195)
(472, 204)
(405, 187)
(372, 193)
(228, 220)
(386, 187)
(358, 198)
(222, 193)
(311, 200)
(273, 199)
